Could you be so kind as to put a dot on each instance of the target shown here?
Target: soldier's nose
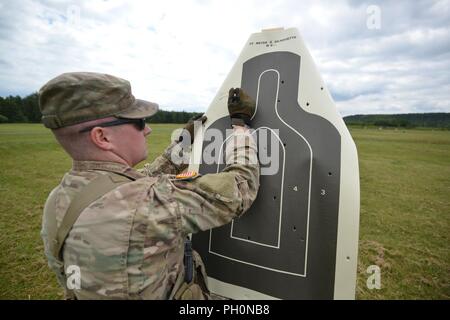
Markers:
(147, 130)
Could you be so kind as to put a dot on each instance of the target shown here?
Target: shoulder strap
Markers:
(91, 192)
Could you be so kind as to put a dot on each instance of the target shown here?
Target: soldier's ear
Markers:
(101, 137)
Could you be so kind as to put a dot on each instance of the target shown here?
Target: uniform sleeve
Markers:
(163, 163)
(213, 200)
(47, 233)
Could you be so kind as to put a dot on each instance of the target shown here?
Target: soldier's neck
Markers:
(106, 156)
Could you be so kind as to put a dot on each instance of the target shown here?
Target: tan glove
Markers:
(189, 127)
(241, 107)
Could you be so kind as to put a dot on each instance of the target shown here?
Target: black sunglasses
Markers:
(139, 123)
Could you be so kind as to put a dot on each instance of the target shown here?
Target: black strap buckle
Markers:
(188, 261)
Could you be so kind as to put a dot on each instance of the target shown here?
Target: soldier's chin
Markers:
(142, 159)
(145, 155)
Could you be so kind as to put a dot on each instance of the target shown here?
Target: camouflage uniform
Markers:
(129, 244)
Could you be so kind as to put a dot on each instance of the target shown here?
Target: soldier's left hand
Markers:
(189, 127)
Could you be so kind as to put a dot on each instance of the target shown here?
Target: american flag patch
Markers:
(186, 175)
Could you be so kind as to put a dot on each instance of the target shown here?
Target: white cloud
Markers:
(177, 53)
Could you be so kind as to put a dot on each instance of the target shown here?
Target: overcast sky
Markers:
(178, 53)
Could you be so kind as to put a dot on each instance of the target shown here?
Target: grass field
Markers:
(405, 209)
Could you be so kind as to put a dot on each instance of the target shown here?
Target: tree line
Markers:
(408, 120)
(15, 109)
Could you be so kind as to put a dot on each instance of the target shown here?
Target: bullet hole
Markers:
(330, 174)
(348, 258)
(295, 228)
(279, 100)
(284, 144)
(307, 104)
(248, 237)
(274, 197)
(282, 81)
(321, 88)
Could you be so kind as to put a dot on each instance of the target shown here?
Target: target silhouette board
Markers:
(299, 239)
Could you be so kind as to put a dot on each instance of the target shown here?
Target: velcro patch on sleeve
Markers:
(186, 175)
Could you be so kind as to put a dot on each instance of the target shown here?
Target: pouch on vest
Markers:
(90, 193)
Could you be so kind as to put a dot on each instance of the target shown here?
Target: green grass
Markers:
(405, 209)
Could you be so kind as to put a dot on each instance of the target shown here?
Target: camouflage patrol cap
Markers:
(77, 97)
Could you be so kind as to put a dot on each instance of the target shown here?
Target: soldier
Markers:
(124, 230)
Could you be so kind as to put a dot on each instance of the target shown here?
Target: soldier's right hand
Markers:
(241, 107)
